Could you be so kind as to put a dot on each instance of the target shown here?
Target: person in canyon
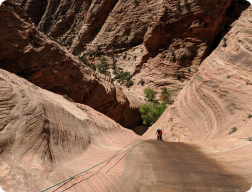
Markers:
(159, 134)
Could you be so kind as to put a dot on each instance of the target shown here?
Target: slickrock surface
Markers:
(42, 131)
(217, 99)
(28, 53)
(46, 139)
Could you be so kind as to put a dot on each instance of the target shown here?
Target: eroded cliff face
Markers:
(217, 100)
(181, 36)
(28, 53)
(161, 42)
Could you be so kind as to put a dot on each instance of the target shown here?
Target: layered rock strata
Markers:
(173, 37)
(180, 37)
(28, 53)
(215, 106)
(41, 131)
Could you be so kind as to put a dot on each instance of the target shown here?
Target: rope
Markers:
(94, 166)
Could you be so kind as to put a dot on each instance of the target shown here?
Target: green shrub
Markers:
(150, 94)
(142, 82)
(122, 76)
(10, 8)
(178, 7)
(67, 98)
(91, 65)
(166, 95)
(224, 44)
(151, 111)
(129, 83)
(103, 67)
(203, 24)
(234, 129)
(45, 31)
(78, 8)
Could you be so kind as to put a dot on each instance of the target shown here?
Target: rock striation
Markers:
(41, 131)
(215, 105)
(172, 37)
(28, 53)
(179, 38)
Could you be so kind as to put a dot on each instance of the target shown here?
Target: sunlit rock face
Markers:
(217, 98)
(29, 53)
(41, 130)
(214, 109)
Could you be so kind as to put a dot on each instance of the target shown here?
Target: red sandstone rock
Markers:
(176, 40)
(41, 131)
(28, 53)
(179, 39)
(215, 100)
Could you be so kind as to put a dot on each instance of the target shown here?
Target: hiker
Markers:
(159, 134)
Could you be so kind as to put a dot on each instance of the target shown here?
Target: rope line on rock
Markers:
(94, 166)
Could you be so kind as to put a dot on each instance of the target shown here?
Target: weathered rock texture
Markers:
(217, 99)
(172, 37)
(182, 35)
(46, 139)
(118, 23)
(41, 131)
(28, 53)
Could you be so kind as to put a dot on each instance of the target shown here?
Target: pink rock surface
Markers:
(217, 99)
(42, 131)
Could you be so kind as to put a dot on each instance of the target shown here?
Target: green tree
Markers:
(103, 67)
(166, 95)
(151, 111)
(150, 94)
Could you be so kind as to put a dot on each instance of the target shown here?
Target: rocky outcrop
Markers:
(217, 97)
(216, 103)
(28, 53)
(180, 37)
(172, 37)
(118, 23)
(42, 131)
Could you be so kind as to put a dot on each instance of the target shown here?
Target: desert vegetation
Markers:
(152, 109)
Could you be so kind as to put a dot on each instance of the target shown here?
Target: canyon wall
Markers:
(218, 97)
(161, 42)
(30, 54)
